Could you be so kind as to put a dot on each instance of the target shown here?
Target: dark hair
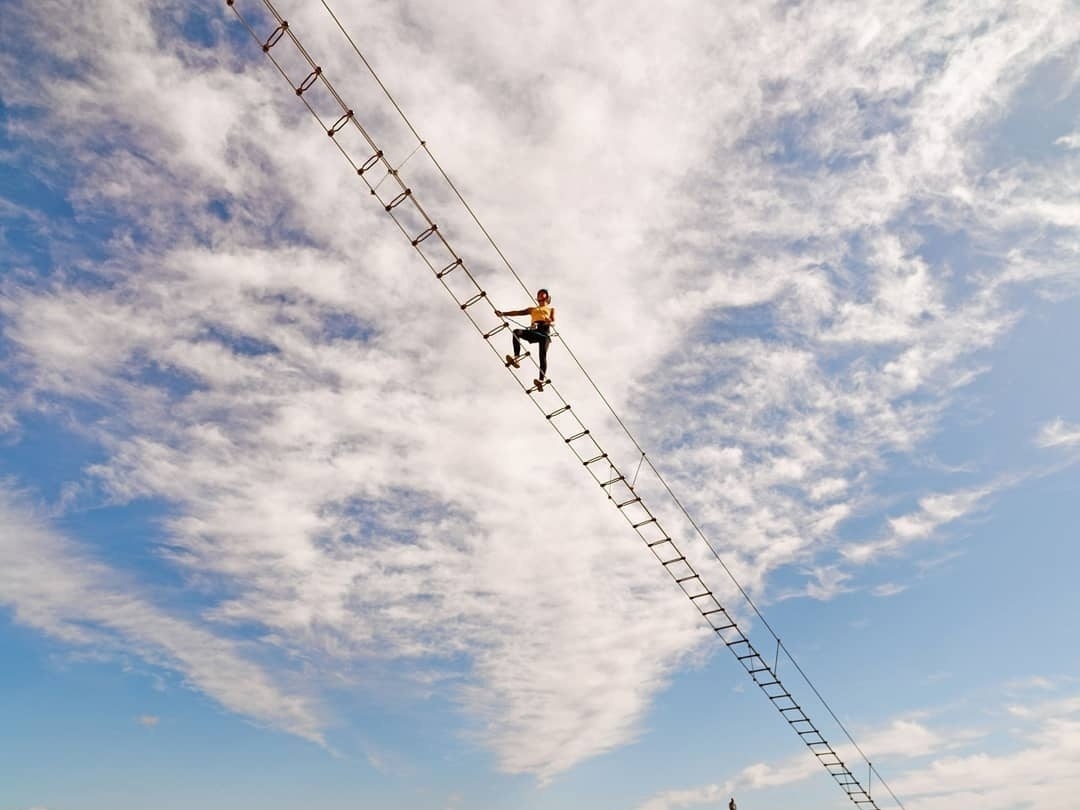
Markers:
(544, 291)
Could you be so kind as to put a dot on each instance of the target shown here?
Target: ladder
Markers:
(451, 270)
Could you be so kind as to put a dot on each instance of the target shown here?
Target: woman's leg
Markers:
(533, 336)
(544, 341)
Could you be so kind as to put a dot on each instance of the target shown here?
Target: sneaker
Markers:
(512, 361)
(539, 384)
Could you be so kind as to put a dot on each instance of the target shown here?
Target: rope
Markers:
(638, 470)
(607, 404)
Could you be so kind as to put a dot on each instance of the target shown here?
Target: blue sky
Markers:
(277, 530)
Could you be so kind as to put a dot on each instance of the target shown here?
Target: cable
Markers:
(626, 430)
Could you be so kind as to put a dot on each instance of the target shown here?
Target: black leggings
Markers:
(537, 333)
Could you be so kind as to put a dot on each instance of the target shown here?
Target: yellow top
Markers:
(542, 314)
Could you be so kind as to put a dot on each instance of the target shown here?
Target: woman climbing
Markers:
(543, 316)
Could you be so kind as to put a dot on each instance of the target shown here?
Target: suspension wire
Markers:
(715, 614)
(626, 430)
(638, 470)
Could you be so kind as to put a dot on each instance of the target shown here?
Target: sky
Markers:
(278, 530)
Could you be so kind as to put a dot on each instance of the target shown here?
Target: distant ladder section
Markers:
(451, 270)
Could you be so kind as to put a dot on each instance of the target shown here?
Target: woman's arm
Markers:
(511, 312)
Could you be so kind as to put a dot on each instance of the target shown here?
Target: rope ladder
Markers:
(451, 270)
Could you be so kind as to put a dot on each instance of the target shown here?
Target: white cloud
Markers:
(889, 589)
(1048, 710)
(934, 512)
(1058, 433)
(348, 472)
(1033, 682)
(1042, 774)
(1070, 141)
(54, 587)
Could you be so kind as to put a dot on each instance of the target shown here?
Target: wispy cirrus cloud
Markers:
(1038, 775)
(1071, 141)
(346, 473)
(56, 588)
(934, 512)
(876, 344)
(888, 589)
(1058, 433)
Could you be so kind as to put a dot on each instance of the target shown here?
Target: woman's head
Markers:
(542, 296)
